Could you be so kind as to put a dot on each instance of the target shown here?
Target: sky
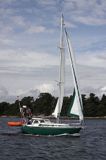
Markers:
(29, 46)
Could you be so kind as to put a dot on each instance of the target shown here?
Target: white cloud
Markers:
(6, 30)
(3, 91)
(96, 59)
(79, 11)
(103, 89)
(36, 29)
(12, 97)
(6, 41)
(46, 2)
(27, 58)
(18, 20)
(70, 25)
(88, 20)
(46, 88)
(30, 92)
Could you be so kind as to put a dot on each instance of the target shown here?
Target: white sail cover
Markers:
(77, 106)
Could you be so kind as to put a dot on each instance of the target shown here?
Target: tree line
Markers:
(93, 106)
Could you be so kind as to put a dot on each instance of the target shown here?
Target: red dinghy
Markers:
(15, 124)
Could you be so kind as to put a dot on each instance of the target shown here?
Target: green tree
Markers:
(44, 104)
(101, 110)
(91, 105)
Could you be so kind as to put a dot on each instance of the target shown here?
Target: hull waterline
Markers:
(50, 130)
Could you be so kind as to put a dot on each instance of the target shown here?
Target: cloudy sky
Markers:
(29, 40)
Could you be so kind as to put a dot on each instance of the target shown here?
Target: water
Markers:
(91, 145)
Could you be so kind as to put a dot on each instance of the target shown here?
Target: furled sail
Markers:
(77, 105)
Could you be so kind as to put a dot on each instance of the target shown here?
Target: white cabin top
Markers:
(44, 123)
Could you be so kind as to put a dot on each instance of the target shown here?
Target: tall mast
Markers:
(59, 104)
(62, 65)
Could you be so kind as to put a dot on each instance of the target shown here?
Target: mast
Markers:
(62, 65)
(58, 107)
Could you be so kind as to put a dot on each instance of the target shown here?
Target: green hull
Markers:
(50, 130)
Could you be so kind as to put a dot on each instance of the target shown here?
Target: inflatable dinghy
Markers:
(19, 123)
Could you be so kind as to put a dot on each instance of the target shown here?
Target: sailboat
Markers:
(42, 126)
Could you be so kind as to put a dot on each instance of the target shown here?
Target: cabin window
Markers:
(35, 121)
(41, 121)
(46, 120)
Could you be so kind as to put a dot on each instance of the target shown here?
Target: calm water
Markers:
(91, 145)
